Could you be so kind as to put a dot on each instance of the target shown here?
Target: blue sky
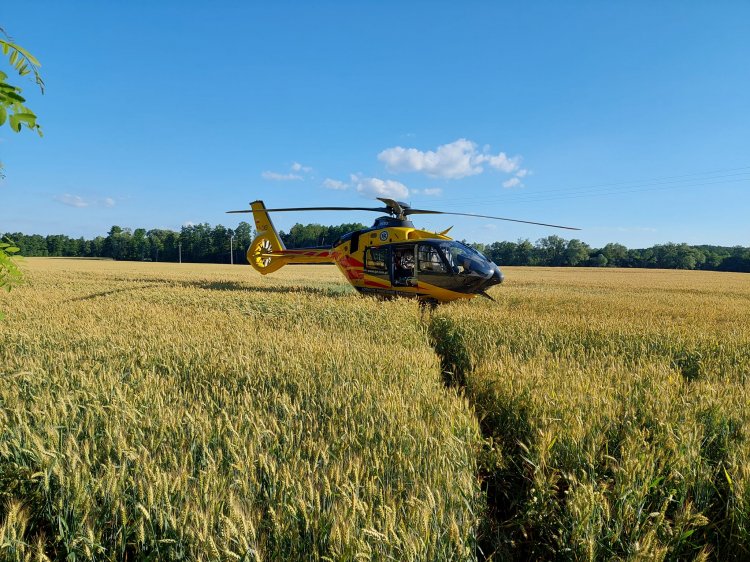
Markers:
(630, 120)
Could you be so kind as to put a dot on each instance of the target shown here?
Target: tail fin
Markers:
(261, 252)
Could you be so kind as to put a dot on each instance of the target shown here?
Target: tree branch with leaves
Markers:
(14, 111)
(12, 104)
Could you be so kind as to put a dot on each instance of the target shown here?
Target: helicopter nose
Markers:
(497, 277)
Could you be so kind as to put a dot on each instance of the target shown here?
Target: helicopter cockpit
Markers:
(465, 260)
(447, 264)
(456, 266)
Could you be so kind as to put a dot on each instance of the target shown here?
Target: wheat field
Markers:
(617, 408)
(203, 412)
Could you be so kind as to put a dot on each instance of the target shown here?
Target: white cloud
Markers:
(335, 184)
(81, 202)
(500, 162)
(72, 200)
(454, 160)
(275, 176)
(512, 182)
(295, 173)
(297, 167)
(431, 191)
(375, 187)
(522, 173)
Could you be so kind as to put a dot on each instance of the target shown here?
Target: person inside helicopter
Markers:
(403, 266)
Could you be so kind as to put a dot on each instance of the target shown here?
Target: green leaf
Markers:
(27, 117)
(32, 59)
(15, 124)
(686, 534)
(15, 96)
(3, 115)
(729, 480)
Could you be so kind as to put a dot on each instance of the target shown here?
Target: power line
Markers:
(677, 181)
(540, 197)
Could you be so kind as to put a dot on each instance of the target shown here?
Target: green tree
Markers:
(503, 253)
(56, 244)
(599, 260)
(677, 256)
(616, 254)
(13, 110)
(552, 250)
(576, 252)
(10, 275)
(310, 235)
(156, 239)
(139, 245)
(243, 235)
(97, 246)
(220, 236)
(525, 253)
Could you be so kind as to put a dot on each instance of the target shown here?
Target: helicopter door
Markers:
(432, 267)
(404, 266)
(378, 262)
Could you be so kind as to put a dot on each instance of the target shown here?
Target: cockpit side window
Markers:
(376, 259)
(430, 260)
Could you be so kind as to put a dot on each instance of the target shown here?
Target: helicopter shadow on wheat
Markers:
(113, 291)
(335, 291)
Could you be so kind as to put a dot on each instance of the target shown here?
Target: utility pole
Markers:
(180, 245)
(231, 249)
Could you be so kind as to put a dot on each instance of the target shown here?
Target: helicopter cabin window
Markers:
(430, 260)
(376, 259)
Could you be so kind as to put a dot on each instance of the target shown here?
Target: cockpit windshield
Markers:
(465, 260)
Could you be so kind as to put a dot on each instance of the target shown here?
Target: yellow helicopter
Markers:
(391, 258)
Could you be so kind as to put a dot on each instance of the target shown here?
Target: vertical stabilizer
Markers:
(264, 250)
(264, 226)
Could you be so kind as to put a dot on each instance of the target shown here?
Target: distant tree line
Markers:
(198, 243)
(205, 244)
(556, 251)
(301, 236)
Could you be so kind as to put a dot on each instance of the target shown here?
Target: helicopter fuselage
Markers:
(392, 258)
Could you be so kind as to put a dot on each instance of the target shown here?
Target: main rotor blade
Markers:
(426, 212)
(374, 209)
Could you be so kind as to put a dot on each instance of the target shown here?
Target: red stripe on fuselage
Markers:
(348, 261)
